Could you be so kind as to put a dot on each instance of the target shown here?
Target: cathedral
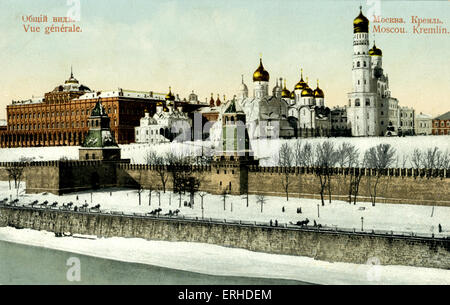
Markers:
(283, 114)
(371, 111)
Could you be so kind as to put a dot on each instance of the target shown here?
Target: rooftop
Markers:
(445, 116)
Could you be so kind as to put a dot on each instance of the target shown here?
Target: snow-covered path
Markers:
(395, 217)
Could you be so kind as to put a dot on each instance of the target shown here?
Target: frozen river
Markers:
(22, 264)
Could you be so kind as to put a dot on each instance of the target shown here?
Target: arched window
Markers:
(367, 102)
(358, 64)
(87, 156)
(357, 103)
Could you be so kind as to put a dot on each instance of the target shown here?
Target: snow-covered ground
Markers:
(217, 260)
(396, 217)
(265, 150)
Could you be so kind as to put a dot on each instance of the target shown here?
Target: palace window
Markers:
(358, 64)
(357, 104)
(367, 102)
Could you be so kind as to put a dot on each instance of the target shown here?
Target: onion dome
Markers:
(306, 92)
(285, 92)
(292, 94)
(375, 51)
(170, 96)
(261, 75)
(301, 84)
(318, 93)
(218, 102)
(361, 23)
(159, 103)
(211, 101)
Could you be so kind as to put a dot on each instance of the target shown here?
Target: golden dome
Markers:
(159, 103)
(292, 94)
(361, 23)
(318, 93)
(307, 91)
(285, 92)
(170, 96)
(301, 84)
(375, 51)
(261, 75)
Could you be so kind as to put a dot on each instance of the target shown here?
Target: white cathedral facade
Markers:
(282, 114)
(371, 111)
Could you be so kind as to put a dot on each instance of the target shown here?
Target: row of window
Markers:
(47, 114)
(436, 124)
(52, 125)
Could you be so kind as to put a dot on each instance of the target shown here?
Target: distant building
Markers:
(165, 125)
(423, 124)
(61, 116)
(339, 125)
(441, 124)
(406, 121)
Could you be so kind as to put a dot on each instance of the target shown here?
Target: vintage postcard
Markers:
(262, 143)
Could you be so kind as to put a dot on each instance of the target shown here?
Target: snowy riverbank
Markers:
(217, 260)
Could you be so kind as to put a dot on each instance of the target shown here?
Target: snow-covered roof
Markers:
(3, 123)
(124, 93)
(33, 100)
(423, 116)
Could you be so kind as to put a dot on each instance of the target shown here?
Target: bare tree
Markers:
(324, 161)
(159, 162)
(16, 172)
(431, 158)
(304, 157)
(347, 156)
(285, 160)
(261, 199)
(380, 158)
(416, 158)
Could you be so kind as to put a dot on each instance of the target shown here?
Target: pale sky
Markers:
(205, 46)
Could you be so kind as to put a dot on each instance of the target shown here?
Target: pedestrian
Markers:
(440, 228)
(315, 223)
(276, 223)
(271, 222)
(77, 197)
(282, 210)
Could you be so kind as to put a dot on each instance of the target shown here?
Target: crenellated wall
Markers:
(335, 246)
(412, 186)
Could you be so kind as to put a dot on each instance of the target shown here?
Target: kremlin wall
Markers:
(408, 186)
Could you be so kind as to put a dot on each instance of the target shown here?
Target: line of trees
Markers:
(179, 168)
(324, 157)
